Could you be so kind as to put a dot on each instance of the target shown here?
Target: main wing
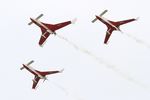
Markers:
(125, 21)
(108, 34)
(61, 25)
(51, 27)
(44, 73)
(35, 81)
(54, 27)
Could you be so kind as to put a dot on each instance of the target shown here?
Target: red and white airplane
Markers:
(111, 25)
(48, 29)
(38, 74)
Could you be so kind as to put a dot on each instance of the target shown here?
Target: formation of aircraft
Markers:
(111, 25)
(38, 74)
(48, 29)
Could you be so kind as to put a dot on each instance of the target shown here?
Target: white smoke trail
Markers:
(104, 62)
(138, 40)
(60, 87)
(75, 96)
(67, 92)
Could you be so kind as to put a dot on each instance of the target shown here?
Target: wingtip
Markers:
(21, 68)
(32, 61)
(137, 18)
(74, 20)
(106, 10)
(41, 45)
(105, 42)
(61, 70)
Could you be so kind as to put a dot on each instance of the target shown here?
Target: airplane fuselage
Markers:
(33, 71)
(38, 23)
(112, 26)
(107, 23)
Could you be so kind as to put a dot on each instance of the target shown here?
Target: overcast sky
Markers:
(84, 77)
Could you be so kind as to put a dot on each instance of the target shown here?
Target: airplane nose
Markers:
(31, 19)
(97, 16)
(23, 65)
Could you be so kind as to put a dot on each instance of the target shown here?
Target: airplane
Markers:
(48, 29)
(111, 25)
(38, 74)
